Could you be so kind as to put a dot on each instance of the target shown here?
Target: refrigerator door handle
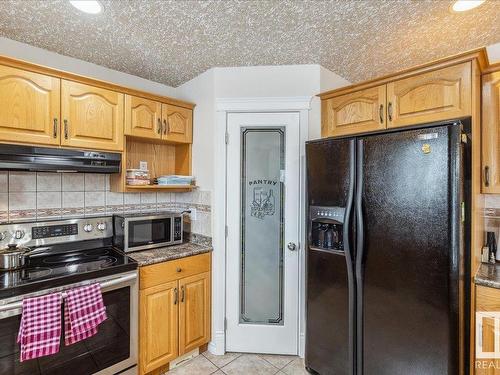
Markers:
(349, 256)
(359, 256)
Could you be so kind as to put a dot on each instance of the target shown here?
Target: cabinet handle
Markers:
(164, 127)
(159, 126)
(381, 113)
(389, 111)
(178, 269)
(182, 293)
(65, 129)
(486, 176)
(55, 128)
(176, 296)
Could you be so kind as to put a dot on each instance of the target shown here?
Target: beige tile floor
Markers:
(244, 364)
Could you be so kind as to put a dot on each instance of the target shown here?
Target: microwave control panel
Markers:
(177, 228)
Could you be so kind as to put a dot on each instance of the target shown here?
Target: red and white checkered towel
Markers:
(40, 330)
(84, 310)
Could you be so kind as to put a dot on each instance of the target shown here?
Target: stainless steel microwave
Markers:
(134, 232)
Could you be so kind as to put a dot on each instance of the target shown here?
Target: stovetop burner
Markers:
(62, 268)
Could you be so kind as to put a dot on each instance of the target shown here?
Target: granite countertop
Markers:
(488, 275)
(163, 254)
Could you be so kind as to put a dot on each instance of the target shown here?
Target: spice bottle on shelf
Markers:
(491, 242)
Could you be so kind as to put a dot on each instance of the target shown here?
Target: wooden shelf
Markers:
(170, 188)
(162, 158)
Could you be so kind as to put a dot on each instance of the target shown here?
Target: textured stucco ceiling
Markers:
(173, 41)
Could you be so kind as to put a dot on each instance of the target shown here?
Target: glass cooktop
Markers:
(58, 269)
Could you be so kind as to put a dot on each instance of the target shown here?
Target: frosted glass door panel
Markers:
(262, 225)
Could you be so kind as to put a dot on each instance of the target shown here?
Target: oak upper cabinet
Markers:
(159, 316)
(142, 117)
(194, 312)
(92, 117)
(357, 112)
(491, 129)
(29, 109)
(487, 301)
(428, 97)
(177, 123)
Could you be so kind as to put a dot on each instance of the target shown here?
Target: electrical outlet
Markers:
(193, 213)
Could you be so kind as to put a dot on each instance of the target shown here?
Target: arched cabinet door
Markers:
(434, 96)
(29, 109)
(177, 124)
(91, 117)
(357, 112)
(142, 117)
(491, 133)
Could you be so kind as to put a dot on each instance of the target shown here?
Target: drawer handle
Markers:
(179, 269)
(176, 296)
(182, 293)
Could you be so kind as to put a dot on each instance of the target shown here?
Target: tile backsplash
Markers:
(39, 196)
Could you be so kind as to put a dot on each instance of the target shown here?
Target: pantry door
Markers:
(262, 283)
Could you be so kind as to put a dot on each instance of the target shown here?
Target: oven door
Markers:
(147, 232)
(111, 350)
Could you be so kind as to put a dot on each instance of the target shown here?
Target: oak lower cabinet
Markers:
(487, 301)
(92, 117)
(491, 133)
(175, 310)
(430, 97)
(30, 105)
(159, 313)
(358, 112)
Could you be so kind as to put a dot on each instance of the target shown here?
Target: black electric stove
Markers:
(73, 250)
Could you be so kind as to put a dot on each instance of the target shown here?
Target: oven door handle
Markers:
(105, 284)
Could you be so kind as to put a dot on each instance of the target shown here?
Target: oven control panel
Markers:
(54, 231)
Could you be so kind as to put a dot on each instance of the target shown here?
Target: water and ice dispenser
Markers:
(326, 228)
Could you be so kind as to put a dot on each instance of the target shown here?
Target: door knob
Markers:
(291, 246)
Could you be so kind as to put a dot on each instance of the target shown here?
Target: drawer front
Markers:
(160, 273)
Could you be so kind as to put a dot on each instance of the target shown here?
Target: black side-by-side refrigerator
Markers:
(388, 252)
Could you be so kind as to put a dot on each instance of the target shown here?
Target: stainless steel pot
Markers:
(13, 257)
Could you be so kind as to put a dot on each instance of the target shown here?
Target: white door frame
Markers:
(224, 106)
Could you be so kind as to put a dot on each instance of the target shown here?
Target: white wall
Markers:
(26, 52)
(494, 53)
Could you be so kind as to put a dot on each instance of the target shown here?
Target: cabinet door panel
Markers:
(92, 117)
(435, 96)
(29, 110)
(194, 312)
(358, 112)
(491, 136)
(142, 117)
(177, 124)
(487, 300)
(158, 329)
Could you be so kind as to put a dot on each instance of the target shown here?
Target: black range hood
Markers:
(29, 158)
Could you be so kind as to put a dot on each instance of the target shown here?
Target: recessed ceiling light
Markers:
(465, 5)
(87, 6)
